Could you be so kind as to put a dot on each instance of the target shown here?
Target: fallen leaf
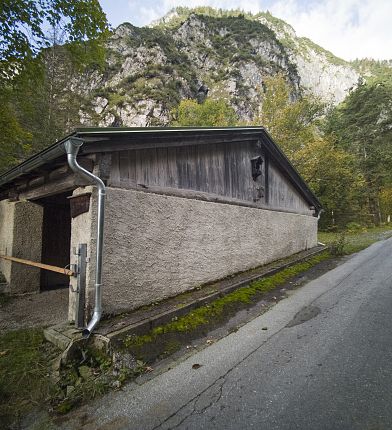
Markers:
(196, 366)
(210, 341)
(148, 369)
(3, 353)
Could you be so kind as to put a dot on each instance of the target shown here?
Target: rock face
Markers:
(149, 70)
(321, 73)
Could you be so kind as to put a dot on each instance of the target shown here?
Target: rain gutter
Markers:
(71, 147)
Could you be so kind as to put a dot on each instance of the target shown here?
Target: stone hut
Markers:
(184, 207)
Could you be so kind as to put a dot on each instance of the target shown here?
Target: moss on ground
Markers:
(214, 312)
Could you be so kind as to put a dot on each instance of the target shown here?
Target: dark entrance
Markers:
(56, 239)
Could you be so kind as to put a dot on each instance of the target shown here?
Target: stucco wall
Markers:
(21, 236)
(6, 235)
(157, 246)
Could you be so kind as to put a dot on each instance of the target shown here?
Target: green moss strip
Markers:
(214, 310)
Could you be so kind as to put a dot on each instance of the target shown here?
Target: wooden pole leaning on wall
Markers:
(56, 269)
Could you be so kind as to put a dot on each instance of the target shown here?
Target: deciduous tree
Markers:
(208, 114)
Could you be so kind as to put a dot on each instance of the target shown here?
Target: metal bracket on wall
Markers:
(81, 285)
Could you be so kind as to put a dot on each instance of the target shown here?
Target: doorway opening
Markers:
(56, 239)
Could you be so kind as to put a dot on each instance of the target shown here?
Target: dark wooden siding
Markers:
(222, 169)
(281, 193)
(218, 169)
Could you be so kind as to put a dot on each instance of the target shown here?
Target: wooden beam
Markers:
(59, 172)
(56, 269)
(207, 197)
(121, 144)
(62, 185)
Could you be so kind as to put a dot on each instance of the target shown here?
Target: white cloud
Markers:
(348, 28)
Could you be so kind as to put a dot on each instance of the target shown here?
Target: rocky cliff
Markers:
(196, 54)
(321, 73)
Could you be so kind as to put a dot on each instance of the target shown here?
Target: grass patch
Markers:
(355, 240)
(24, 373)
(28, 381)
(215, 311)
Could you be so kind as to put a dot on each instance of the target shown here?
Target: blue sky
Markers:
(349, 28)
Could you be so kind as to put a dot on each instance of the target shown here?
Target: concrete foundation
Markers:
(158, 246)
(21, 236)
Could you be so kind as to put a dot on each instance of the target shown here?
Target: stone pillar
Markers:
(21, 236)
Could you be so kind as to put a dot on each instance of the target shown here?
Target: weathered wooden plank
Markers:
(124, 165)
(234, 172)
(215, 177)
(68, 183)
(162, 167)
(227, 170)
(224, 170)
(266, 179)
(172, 167)
(151, 176)
(56, 269)
(115, 168)
(209, 197)
(192, 167)
(282, 193)
(132, 167)
(57, 173)
(131, 143)
(104, 165)
(139, 166)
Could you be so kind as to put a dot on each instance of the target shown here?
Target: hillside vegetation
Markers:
(213, 67)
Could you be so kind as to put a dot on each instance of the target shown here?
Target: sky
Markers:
(348, 28)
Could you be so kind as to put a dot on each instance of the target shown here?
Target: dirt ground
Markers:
(34, 310)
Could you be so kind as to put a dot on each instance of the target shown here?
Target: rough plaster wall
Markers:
(6, 235)
(21, 236)
(158, 246)
(81, 233)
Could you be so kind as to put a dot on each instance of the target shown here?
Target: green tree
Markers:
(14, 140)
(23, 24)
(43, 45)
(211, 113)
(362, 126)
(330, 171)
(292, 124)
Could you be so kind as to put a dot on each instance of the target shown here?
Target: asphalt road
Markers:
(324, 362)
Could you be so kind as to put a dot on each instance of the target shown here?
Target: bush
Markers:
(336, 247)
(353, 227)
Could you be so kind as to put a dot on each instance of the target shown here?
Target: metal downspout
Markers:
(71, 147)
